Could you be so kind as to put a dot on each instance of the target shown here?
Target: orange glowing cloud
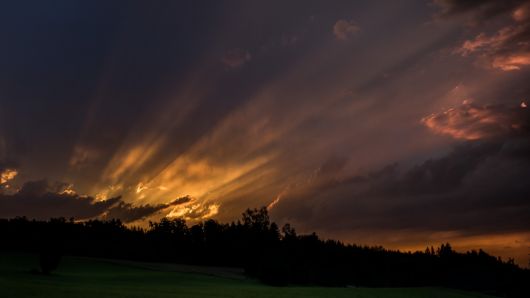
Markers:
(7, 174)
(512, 62)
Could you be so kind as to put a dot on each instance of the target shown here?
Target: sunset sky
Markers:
(394, 123)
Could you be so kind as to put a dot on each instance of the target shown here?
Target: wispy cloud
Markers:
(345, 29)
(236, 57)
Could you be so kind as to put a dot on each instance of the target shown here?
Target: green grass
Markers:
(82, 277)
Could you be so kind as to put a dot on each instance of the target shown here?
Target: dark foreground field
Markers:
(81, 277)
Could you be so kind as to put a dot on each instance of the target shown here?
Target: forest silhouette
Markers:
(276, 256)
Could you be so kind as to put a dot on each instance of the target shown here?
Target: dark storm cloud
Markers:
(44, 200)
(126, 212)
(466, 196)
(480, 187)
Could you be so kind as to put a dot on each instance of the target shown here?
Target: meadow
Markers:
(88, 278)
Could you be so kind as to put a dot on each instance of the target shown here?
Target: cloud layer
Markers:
(478, 189)
(44, 200)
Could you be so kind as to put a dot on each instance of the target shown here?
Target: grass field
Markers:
(81, 277)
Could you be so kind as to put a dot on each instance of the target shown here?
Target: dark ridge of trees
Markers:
(275, 256)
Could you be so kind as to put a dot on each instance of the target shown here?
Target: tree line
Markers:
(274, 255)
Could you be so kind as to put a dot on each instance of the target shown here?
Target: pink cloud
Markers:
(473, 122)
(509, 48)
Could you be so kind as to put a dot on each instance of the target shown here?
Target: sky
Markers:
(395, 123)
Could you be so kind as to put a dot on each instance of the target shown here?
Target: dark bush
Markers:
(49, 261)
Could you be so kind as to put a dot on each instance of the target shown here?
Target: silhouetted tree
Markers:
(52, 243)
